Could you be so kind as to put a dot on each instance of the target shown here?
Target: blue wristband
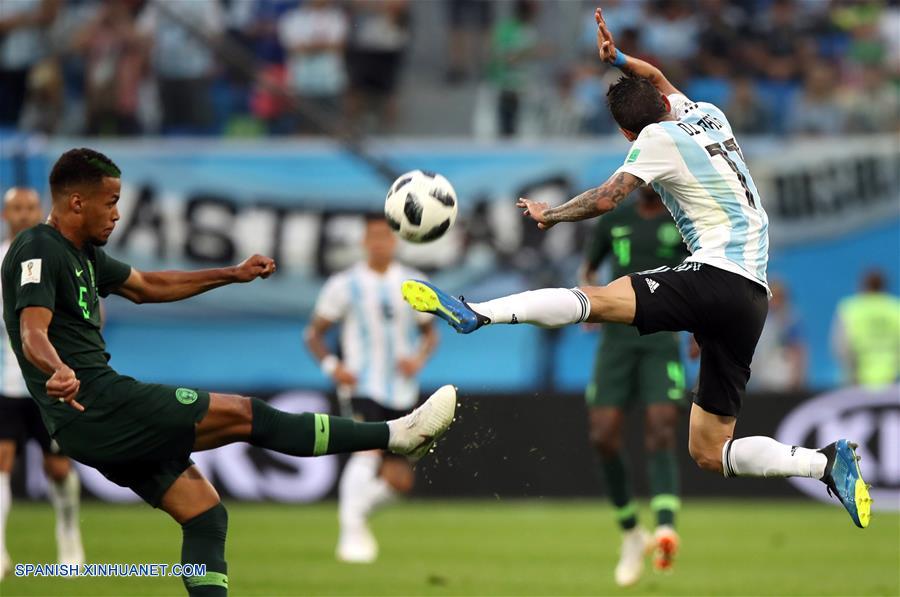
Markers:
(621, 59)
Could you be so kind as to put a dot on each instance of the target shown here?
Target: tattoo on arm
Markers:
(596, 201)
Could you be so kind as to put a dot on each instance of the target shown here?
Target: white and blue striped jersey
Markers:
(12, 384)
(697, 168)
(377, 329)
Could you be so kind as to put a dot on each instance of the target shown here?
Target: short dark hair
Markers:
(635, 103)
(873, 281)
(81, 166)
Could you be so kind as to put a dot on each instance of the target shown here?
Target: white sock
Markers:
(760, 456)
(361, 490)
(547, 307)
(5, 507)
(66, 497)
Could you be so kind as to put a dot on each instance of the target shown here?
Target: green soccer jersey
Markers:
(43, 269)
(634, 244)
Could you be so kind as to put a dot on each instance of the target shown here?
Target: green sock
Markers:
(616, 476)
(204, 544)
(664, 487)
(309, 434)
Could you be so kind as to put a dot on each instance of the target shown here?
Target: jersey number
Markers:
(85, 309)
(722, 149)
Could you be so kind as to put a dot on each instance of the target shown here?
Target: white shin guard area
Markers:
(547, 307)
(760, 456)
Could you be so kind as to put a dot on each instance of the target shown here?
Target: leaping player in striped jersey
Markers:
(688, 153)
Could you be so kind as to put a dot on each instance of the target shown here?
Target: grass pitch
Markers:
(538, 547)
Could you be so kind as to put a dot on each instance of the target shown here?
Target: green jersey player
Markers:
(633, 370)
(141, 435)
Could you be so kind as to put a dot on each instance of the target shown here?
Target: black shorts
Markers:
(139, 435)
(724, 311)
(20, 420)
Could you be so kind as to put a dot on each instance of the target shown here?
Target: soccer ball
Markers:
(420, 206)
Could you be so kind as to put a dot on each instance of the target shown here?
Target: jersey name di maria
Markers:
(12, 385)
(43, 269)
(377, 329)
(697, 167)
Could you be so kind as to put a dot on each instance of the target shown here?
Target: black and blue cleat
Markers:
(428, 298)
(844, 480)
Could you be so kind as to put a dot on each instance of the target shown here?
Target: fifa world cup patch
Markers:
(185, 396)
(633, 156)
(31, 272)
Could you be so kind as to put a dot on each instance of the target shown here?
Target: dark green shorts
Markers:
(637, 370)
(138, 435)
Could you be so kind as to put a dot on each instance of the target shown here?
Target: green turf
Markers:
(486, 548)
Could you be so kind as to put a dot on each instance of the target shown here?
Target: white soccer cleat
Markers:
(357, 545)
(5, 564)
(69, 548)
(636, 544)
(416, 433)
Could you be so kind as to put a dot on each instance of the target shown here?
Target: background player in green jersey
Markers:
(631, 370)
(141, 435)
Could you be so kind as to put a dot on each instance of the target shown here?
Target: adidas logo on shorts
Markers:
(653, 284)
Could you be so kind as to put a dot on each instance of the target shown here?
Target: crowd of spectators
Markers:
(199, 67)
(799, 67)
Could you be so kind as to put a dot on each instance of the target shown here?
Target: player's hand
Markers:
(535, 210)
(64, 385)
(410, 366)
(254, 267)
(605, 43)
(343, 377)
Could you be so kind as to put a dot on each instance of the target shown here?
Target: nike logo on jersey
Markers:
(78, 272)
(652, 284)
(618, 231)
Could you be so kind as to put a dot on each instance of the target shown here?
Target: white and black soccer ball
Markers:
(420, 206)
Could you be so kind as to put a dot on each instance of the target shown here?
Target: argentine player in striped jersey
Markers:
(384, 345)
(687, 152)
(20, 418)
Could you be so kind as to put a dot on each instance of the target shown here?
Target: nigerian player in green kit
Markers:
(141, 435)
(632, 371)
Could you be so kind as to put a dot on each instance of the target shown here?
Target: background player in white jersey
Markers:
(378, 368)
(688, 153)
(20, 418)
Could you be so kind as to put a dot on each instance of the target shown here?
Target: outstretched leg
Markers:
(712, 447)
(236, 418)
(547, 307)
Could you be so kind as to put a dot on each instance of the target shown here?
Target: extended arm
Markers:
(314, 337)
(589, 204)
(34, 323)
(164, 287)
(630, 65)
